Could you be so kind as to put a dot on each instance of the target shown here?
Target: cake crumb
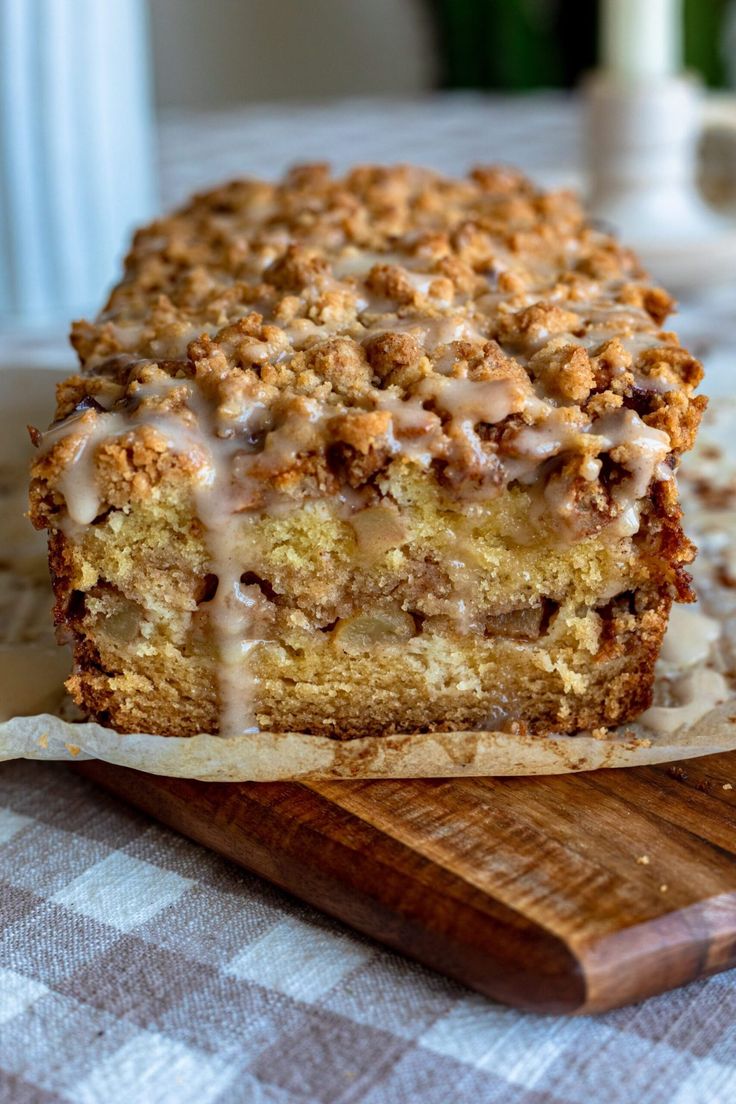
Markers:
(726, 786)
(677, 773)
(643, 860)
(663, 888)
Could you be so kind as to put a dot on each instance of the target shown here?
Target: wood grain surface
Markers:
(565, 894)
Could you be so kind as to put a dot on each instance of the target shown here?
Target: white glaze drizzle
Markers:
(644, 452)
(689, 638)
(430, 333)
(469, 402)
(696, 693)
(234, 608)
(78, 482)
(694, 688)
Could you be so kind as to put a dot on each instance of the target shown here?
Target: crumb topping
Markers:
(324, 328)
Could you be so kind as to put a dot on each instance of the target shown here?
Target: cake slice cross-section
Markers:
(378, 454)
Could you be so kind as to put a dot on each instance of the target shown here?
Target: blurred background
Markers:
(112, 110)
(225, 52)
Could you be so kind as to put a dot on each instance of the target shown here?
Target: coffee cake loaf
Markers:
(385, 453)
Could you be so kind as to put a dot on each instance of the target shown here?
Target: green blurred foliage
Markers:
(523, 44)
(704, 22)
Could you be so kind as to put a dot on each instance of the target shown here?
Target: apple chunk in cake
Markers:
(377, 454)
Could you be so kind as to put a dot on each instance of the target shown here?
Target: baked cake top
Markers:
(322, 328)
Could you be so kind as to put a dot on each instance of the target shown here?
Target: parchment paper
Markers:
(32, 669)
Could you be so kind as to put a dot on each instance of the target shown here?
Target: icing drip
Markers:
(646, 449)
(696, 693)
(431, 333)
(78, 482)
(415, 431)
(689, 638)
(238, 615)
(234, 608)
(469, 402)
(694, 688)
(638, 448)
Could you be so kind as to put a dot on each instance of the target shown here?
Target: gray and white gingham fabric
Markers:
(138, 968)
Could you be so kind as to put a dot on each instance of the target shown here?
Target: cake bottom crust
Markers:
(592, 668)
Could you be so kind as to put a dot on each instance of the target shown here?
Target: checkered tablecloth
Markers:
(138, 968)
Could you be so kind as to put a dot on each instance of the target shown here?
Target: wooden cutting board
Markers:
(573, 893)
